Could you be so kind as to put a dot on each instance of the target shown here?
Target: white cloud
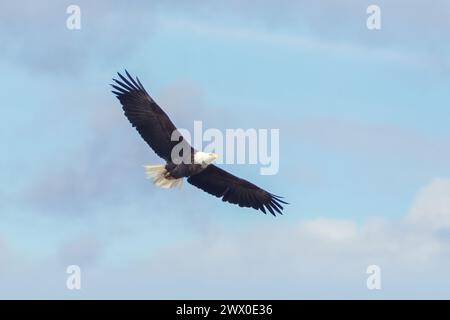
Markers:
(431, 207)
(315, 256)
(330, 230)
(277, 258)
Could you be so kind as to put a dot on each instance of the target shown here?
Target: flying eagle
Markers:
(156, 129)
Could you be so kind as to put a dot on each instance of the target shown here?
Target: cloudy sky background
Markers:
(364, 155)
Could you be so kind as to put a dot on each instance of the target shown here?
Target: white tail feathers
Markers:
(160, 178)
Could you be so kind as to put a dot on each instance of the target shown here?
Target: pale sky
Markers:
(364, 149)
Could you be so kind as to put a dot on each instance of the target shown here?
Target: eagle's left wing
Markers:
(232, 189)
(152, 123)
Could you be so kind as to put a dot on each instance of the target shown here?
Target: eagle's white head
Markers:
(204, 158)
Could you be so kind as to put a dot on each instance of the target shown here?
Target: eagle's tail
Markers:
(161, 178)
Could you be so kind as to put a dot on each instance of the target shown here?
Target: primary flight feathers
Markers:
(156, 128)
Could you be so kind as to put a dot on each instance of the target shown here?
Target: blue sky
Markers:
(363, 118)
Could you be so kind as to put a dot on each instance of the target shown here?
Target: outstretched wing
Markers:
(235, 190)
(150, 120)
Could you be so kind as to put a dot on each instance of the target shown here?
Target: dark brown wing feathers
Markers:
(232, 189)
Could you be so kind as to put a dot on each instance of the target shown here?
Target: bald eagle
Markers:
(155, 127)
